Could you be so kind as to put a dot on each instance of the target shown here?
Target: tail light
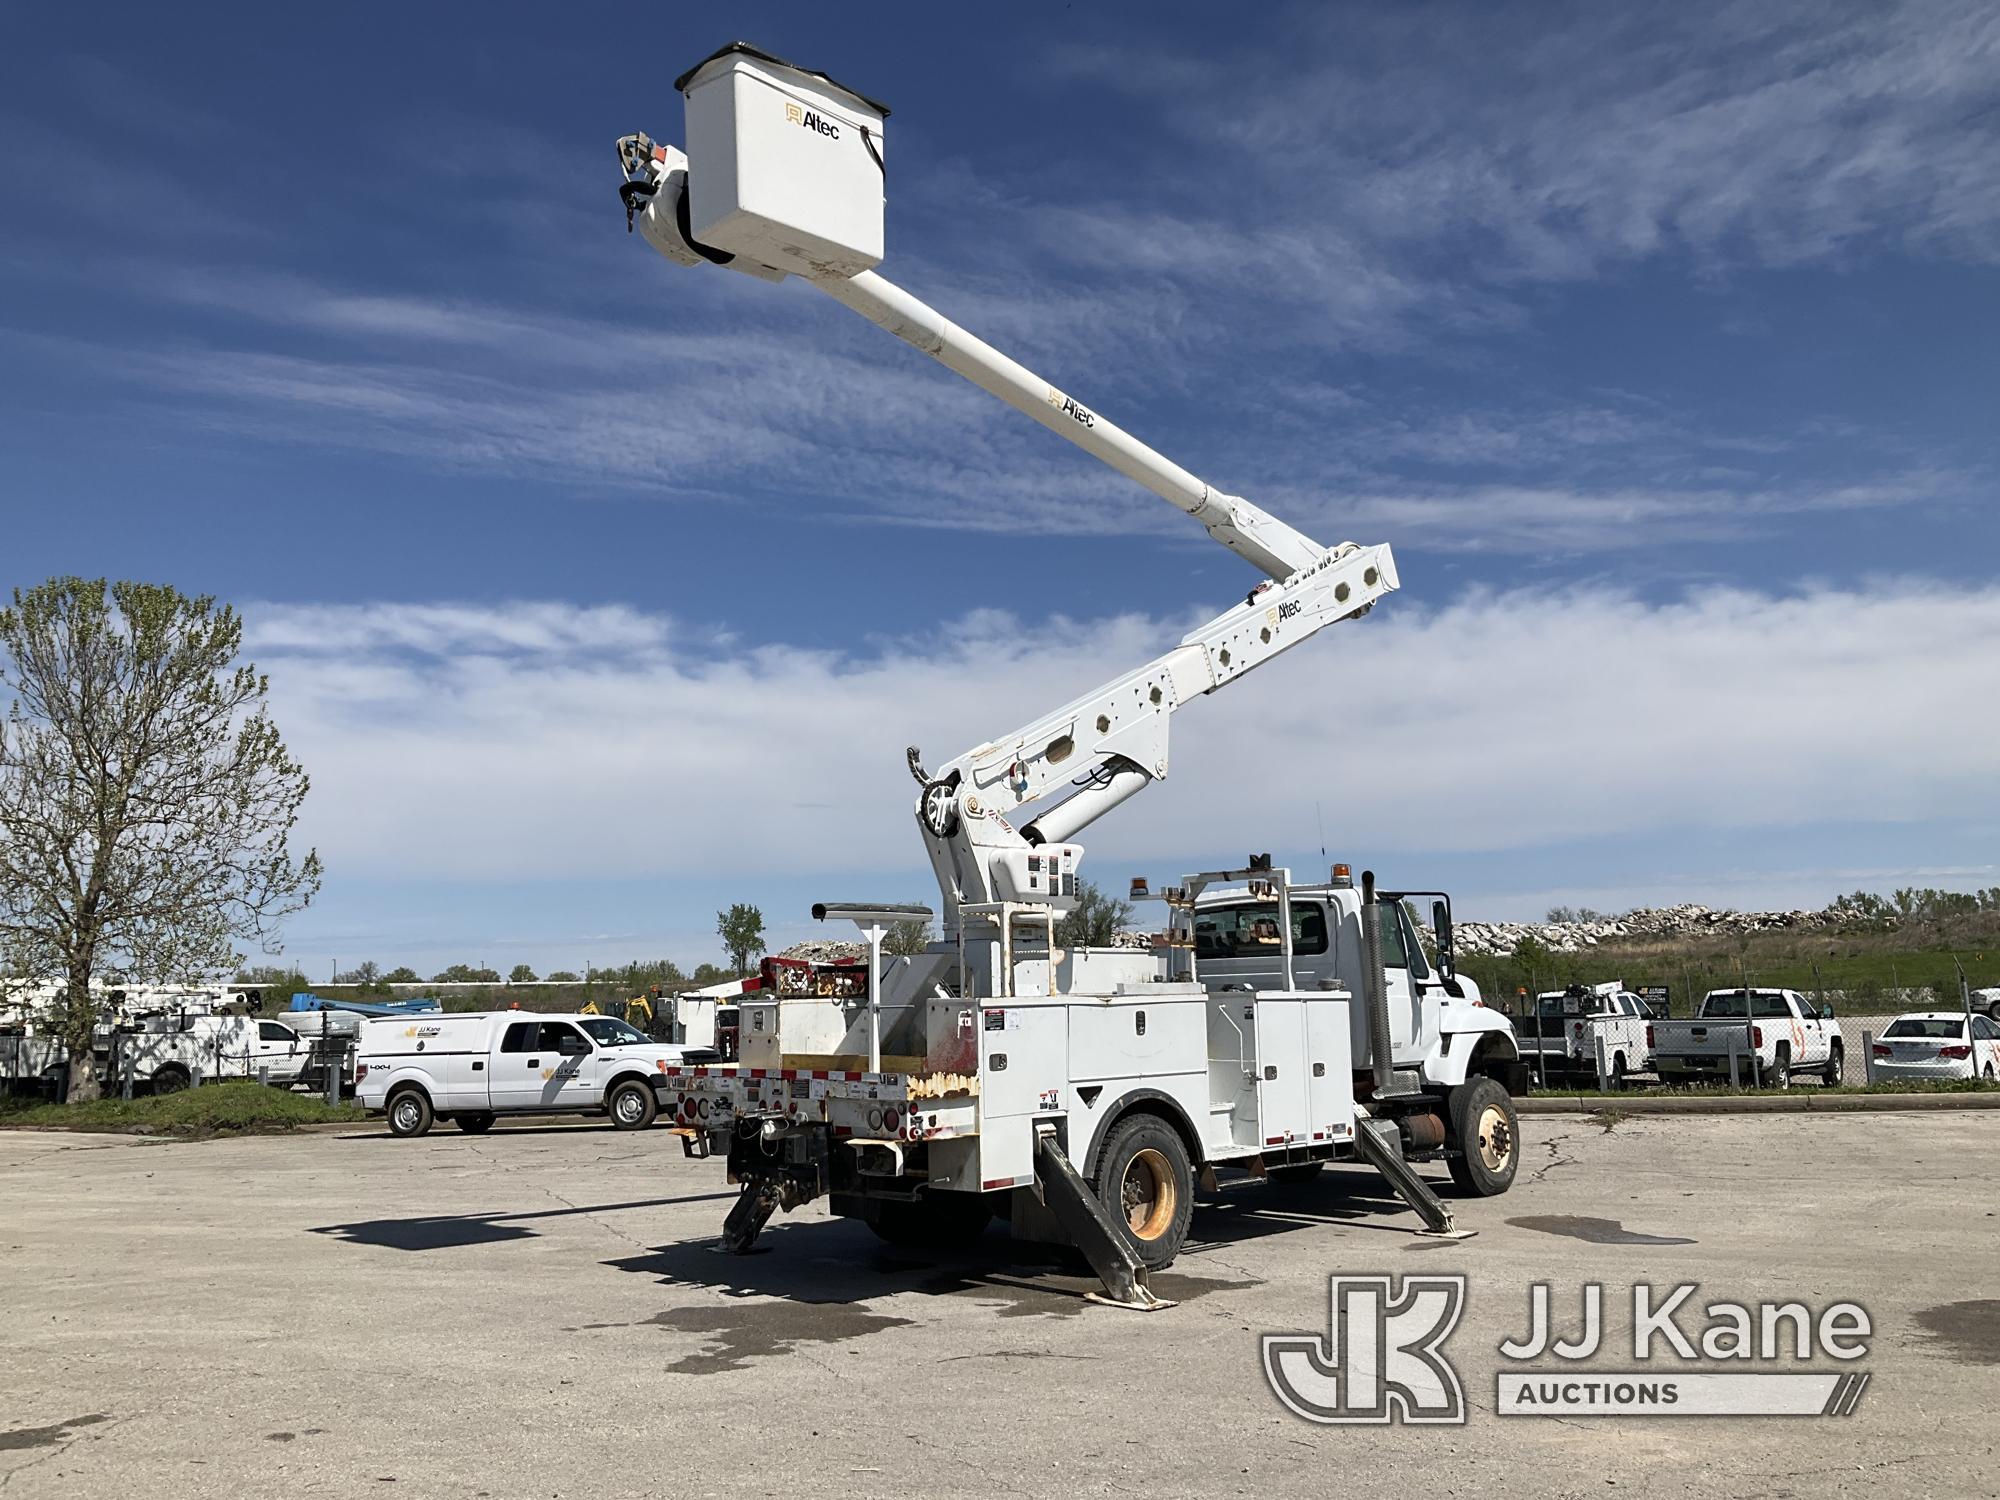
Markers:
(1883, 1049)
(1958, 1052)
(1577, 1030)
(891, 1118)
(1756, 1036)
(1649, 1034)
(360, 1071)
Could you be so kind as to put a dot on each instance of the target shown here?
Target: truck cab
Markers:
(1440, 1026)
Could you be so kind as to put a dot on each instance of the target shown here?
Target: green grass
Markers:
(241, 1108)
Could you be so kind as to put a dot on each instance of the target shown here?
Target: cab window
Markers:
(562, 1038)
(272, 1031)
(1400, 948)
(1251, 931)
(520, 1037)
(1771, 1008)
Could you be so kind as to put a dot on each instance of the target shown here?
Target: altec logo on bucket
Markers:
(1382, 1359)
(813, 120)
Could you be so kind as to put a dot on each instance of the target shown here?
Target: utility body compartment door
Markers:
(1284, 1100)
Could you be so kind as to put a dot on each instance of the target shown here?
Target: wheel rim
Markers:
(631, 1108)
(406, 1114)
(1496, 1138)
(1148, 1195)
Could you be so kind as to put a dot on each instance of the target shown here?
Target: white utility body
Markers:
(1587, 1031)
(1081, 1091)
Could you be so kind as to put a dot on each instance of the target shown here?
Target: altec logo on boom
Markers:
(1382, 1359)
(1075, 410)
(813, 120)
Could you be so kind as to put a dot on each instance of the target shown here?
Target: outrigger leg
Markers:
(1381, 1145)
(1083, 1218)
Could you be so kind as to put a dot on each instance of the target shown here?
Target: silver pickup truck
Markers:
(1773, 1034)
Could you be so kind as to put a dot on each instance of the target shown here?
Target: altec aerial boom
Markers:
(784, 176)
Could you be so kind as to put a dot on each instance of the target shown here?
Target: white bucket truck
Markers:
(1083, 1093)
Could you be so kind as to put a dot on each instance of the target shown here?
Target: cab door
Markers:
(536, 1062)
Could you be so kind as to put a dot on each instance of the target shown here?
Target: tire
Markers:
(1485, 1134)
(1295, 1175)
(171, 1079)
(942, 1221)
(1146, 1183)
(410, 1112)
(1618, 1079)
(477, 1122)
(632, 1105)
(1988, 1075)
(1835, 1066)
(1779, 1074)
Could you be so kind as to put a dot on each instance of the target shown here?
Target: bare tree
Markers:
(146, 799)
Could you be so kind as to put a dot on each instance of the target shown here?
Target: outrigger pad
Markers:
(1092, 1231)
(753, 1210)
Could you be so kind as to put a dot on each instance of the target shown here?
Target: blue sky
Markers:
(597, 593)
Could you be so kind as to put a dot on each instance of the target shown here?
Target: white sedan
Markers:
(1934, 1044)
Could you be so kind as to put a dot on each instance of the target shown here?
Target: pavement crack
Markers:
(1553, 1145)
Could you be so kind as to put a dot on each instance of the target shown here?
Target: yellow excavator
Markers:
(639, 1011)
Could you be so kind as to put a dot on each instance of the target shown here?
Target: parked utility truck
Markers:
(1081, 1092)
(1585, 1032)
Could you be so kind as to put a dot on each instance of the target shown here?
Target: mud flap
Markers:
(1091, 1229)
(1381, 1145)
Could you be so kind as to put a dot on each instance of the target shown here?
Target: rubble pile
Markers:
(1498, 939)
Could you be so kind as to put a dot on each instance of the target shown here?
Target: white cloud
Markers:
(469, 743)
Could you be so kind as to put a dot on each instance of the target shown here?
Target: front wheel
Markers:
(632, 1105)
(1834, 1067)
(171, 1080)
(1485, 1134)
(1146, 1182)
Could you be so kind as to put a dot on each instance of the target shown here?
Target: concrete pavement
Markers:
(535, 1312)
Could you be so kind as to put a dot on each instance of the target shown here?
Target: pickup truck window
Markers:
(273, 1031)
(1764, 1006)
(520, 1037)
(1983, 1029)
(560, 1037)
(609, 1031)
(1251, 931)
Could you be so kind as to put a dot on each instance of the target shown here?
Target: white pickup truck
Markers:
(473, 1068)
(1773, 1034)
(1565, 1030)
(169, 1053)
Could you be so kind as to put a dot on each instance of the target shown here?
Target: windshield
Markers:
(1252, 931)
(609, 1031)
(1952, 1030)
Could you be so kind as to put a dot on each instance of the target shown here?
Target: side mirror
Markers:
(573, 1046)
(1826, 1012)
(1441, 925)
